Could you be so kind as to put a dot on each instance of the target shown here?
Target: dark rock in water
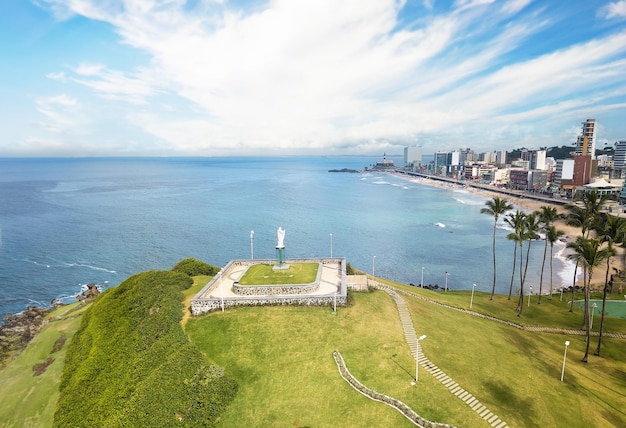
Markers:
(344, 170)
(91, 291)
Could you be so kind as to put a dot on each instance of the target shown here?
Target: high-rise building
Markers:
(501, 157)
(536, 158)
(586, 141)
(412, 156)
(619, 156)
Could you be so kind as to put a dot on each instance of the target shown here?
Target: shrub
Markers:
(193, 267)
(130, 363)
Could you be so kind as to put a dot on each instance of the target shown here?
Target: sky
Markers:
(309, 77)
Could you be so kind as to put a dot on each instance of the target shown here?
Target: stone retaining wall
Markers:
(409, 413)
(209, 305)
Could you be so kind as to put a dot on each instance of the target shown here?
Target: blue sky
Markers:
(219, 77)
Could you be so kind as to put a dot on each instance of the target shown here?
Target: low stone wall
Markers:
(281, 295)
(274, 290)
(409, 413)
(199, 307)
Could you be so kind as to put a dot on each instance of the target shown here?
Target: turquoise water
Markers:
(68, 222)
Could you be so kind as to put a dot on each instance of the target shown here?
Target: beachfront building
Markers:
(519, 178)
(586, 141)
(619, 158)
(521, 164)
(536, 159)
(501, 158)
(412, 156)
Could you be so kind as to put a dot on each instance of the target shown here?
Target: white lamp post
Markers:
(529, 293)
(446, 288)
(422, 284)
(564, 356)
(472, 298)
(417, 355)
(593, 307)
(252, 245)
(373, 267)
(221, 289)
(331, 245)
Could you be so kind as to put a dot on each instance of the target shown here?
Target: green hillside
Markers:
(130, 363)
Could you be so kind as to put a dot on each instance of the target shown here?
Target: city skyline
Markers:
(223, 78)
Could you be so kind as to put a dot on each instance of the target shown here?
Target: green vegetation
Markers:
(193, 267)
(282, 359)
(29, 400)
(298, 273)
(130, 363)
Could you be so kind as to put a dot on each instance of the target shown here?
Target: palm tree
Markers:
(516, 221)
(495, 208)
(611, 232)
(587, 253)
(547, 215)
(583, 215)
(552, 235)
(529, 233)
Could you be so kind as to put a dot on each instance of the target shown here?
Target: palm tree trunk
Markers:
(520, 302)
(606, 286)
(571, 303)
(493, 288)
(586, 317)
(513, 272)
(551, 252)
(526, 265)
(543, 264)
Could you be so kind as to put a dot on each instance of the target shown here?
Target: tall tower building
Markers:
(412, 155)
(619, 156)
(586, 141)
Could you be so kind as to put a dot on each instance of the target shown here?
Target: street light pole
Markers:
(417, 355)
(564, 356)
(222, 289)
(446, 289)
(373, 267)
(422, 284)
(472, 298)
(252, 245)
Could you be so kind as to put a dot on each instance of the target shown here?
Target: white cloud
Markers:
(320, 74)
(56, 76)
(133, 87)
(615, 10)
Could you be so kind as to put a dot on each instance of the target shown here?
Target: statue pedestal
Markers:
(280, 259)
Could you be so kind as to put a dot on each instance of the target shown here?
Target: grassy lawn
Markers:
(281, 357)
(27, 400)
(298, 273)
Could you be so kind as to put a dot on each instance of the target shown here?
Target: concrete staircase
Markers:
(453, 387)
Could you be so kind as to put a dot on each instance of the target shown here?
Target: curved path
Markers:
(453, 387)
(578, 332)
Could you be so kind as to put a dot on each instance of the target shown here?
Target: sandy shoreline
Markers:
(530, 205)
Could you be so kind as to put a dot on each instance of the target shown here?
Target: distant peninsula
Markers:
(345, 170)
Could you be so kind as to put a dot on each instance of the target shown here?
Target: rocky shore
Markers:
(17, 330)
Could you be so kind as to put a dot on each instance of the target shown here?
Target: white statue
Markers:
(281, 237)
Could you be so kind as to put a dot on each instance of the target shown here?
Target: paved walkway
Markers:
(576, 332)
(453, 387)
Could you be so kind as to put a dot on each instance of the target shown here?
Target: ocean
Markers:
(65, 223)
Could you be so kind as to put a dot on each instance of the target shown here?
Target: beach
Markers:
(570, 233)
